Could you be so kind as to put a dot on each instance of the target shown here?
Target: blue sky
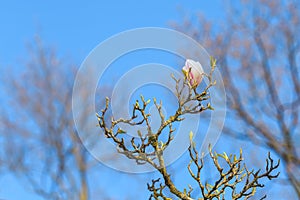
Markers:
(76, 27)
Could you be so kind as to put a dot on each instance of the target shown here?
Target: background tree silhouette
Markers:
(39, 139)
(257, 45)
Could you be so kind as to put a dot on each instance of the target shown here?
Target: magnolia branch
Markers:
(148, 148)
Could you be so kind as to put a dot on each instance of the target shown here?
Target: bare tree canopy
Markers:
(257, 46)
(40, 143)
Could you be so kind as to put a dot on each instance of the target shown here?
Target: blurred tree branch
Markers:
(257, 47)
(40, 142)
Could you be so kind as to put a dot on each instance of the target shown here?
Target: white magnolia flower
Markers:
(193, 71)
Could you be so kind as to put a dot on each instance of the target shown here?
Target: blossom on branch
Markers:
(193, 71)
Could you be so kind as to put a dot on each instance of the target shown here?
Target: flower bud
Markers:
(193, 71)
